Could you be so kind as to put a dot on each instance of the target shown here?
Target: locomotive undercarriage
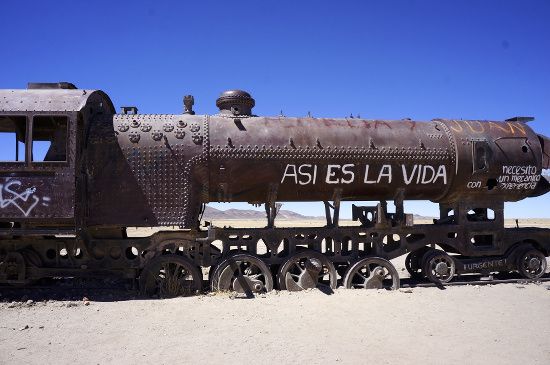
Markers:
(250, 260)
(468, 241)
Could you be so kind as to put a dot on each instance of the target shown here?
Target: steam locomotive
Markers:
(75, 176)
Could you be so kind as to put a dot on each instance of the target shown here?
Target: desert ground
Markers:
(498, 324)
(237, 223)
(473, 324)
(241, 223)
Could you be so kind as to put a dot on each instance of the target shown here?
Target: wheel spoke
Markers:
(362, 277)
(298, 265)
(256, 276)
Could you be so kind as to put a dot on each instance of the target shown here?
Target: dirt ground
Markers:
(490, 324)
(241, 223)
(499, 324)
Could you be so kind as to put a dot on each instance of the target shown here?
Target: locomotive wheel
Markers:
(242, 273)
(13, 269)
(532, 264)
(439, 267)
(413, 262)
(170, 276)
(307, 270)
(372, 273)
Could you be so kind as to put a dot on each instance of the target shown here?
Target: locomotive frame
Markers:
(69, 218)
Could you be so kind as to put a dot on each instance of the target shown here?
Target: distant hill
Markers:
(211, 213)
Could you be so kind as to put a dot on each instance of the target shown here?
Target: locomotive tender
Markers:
(78, 175)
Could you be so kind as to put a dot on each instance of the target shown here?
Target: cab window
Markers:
(49, 139)
(13, 132)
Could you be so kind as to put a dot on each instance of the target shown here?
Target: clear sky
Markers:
(380, 59)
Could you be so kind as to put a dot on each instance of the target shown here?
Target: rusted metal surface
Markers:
(260, 159)
(174, 150)
(235, 103)
(46, 192)
(309, 159)
(54, 100)
(69, 218)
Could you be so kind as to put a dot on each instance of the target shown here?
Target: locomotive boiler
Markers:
(76, 175)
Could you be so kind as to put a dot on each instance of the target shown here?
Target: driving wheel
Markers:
(439, 267)
(242, 273)
(372, 273)
(532, 264)
(170, 276)
(307, 270)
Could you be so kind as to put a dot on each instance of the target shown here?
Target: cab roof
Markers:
(64, 100)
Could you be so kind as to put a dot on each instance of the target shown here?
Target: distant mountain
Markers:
(211, 213)
(421, 217)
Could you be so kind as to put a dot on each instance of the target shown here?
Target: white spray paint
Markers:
(306, 174)
(25, 201)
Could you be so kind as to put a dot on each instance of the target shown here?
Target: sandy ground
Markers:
(242, 223)
(500, 324)
(238, 223)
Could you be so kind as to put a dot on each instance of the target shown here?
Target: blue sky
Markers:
(380, 59)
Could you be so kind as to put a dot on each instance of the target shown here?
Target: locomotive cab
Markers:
(36, 167)
(40, 133)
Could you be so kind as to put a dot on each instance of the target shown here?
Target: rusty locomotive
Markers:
(65, 210)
